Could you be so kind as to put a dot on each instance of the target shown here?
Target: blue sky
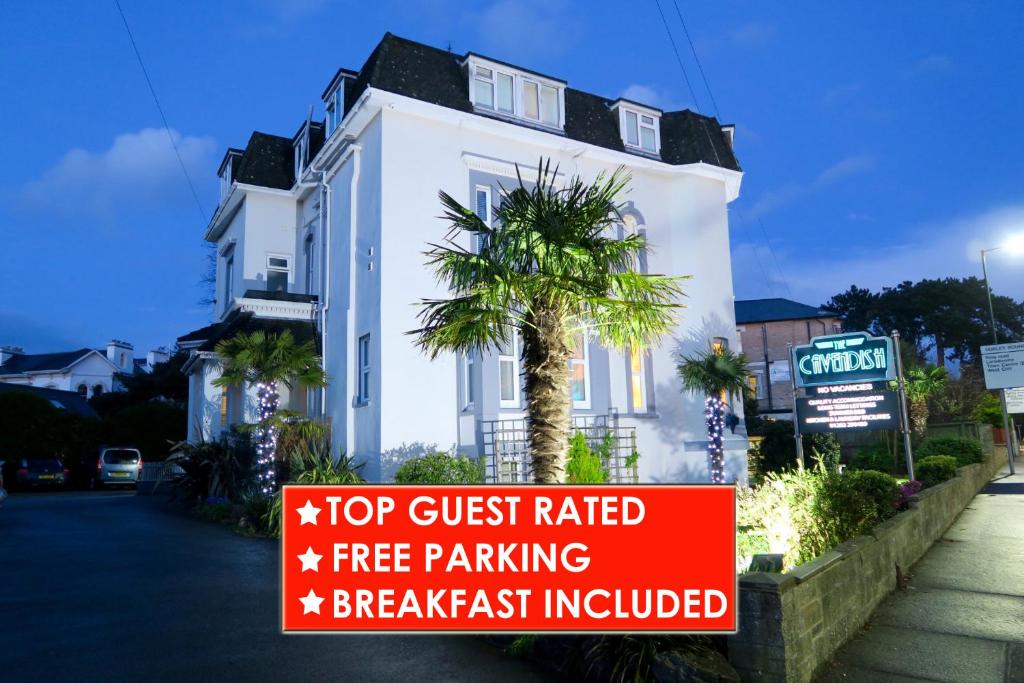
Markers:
(881, 141)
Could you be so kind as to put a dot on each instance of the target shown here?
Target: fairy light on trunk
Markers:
(266, 435)
(714, 415)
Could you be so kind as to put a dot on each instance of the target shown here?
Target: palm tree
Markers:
(267, 361)
(921, 384)
(548, 271)
(719, 374)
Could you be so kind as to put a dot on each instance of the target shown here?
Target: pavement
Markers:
(108, 586)
(961, 617)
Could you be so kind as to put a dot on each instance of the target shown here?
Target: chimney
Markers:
(157, 356)
(121, 354)
(8, 352)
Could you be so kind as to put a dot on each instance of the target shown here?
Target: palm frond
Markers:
(714, 372)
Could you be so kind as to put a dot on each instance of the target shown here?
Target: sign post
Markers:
(796, 418)
(1004, 369)
(904, 415)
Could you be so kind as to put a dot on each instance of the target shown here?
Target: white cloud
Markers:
(527, 28)
(137, 169)
(654, 97)
(769, 201)
(934, 63)
(949, 249)
(841, 93)
(752, 34)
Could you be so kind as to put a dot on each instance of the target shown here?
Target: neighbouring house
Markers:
(71, 401)
(87, 372)
(323, 233)
(767, 328)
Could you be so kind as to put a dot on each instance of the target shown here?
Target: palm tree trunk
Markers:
(266, 437)
(715, 419)
(548, 405)
(919, 418)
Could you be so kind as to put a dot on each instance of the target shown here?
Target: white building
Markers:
(88, 372)
(324, 233)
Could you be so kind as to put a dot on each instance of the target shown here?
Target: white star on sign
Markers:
(308, 513)
(311, 603)
(310, 560)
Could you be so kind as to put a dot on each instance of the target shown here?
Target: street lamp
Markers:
(1015, 245)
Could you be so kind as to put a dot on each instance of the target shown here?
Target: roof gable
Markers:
(47, 362)
(771, 310)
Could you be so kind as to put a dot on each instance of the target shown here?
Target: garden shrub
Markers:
(908, 490)
(441, 468)
(935, 469)
(852, 504)
(803, 513)
(965, 451)
(874, 457)
(582, 465)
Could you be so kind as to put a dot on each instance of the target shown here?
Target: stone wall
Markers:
(791, 624)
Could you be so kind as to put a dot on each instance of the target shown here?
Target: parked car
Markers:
(117, 466)
(35, 472)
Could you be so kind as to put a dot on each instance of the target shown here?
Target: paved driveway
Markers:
(107, 586)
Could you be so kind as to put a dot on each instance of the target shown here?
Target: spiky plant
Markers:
(719, 374)
(548, 271)
(266, 361)
(921, 384)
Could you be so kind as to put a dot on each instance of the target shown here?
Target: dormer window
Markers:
(225, 179)
(335, 109)
(497, 88)
(640, 127)
(300, 154)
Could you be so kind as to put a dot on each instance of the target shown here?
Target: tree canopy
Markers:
(948, 316)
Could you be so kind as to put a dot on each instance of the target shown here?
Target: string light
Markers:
(266, 435)
(714, 416)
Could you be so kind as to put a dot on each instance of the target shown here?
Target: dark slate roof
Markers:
(268, 161)
(769, 310)
(67, 400)
(246, 322)
(433, 75)
(41, 362)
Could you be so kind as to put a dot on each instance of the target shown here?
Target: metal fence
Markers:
(506, 448)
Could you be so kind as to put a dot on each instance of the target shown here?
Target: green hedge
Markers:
(965, 451)
(855, 502)
(935, 469)
(441, 468)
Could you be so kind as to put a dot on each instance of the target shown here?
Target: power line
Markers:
(714, 104)
(679, 59)
(700, 68)
(159, 107)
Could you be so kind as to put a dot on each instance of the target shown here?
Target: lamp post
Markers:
(1014, 244)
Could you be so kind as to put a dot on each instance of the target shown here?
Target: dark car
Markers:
(34, 472)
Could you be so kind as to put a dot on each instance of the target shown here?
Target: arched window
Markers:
(97, 390)
(83, 390)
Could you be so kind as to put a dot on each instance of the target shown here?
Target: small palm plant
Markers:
(921, 384)
(267, 360)
(548, 271)
(719, 374)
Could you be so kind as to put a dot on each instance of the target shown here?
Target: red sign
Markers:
(659, 558)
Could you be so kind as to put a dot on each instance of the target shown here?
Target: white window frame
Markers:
(513, 402)
(654, 126)
(486, 218)
(334, 110)
(519, 79)
(585, 362)
(225, 178)
(636, 407)
(363, 367)
(287, 270)
(468, 365)
(300, 155)
(229, 275)
(309, 249)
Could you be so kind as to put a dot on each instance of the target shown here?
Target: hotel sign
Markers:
(847, 407)
(844, 359)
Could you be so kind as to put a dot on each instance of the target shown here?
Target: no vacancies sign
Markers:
(843, 359)
(847, 407)
(508, 558)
